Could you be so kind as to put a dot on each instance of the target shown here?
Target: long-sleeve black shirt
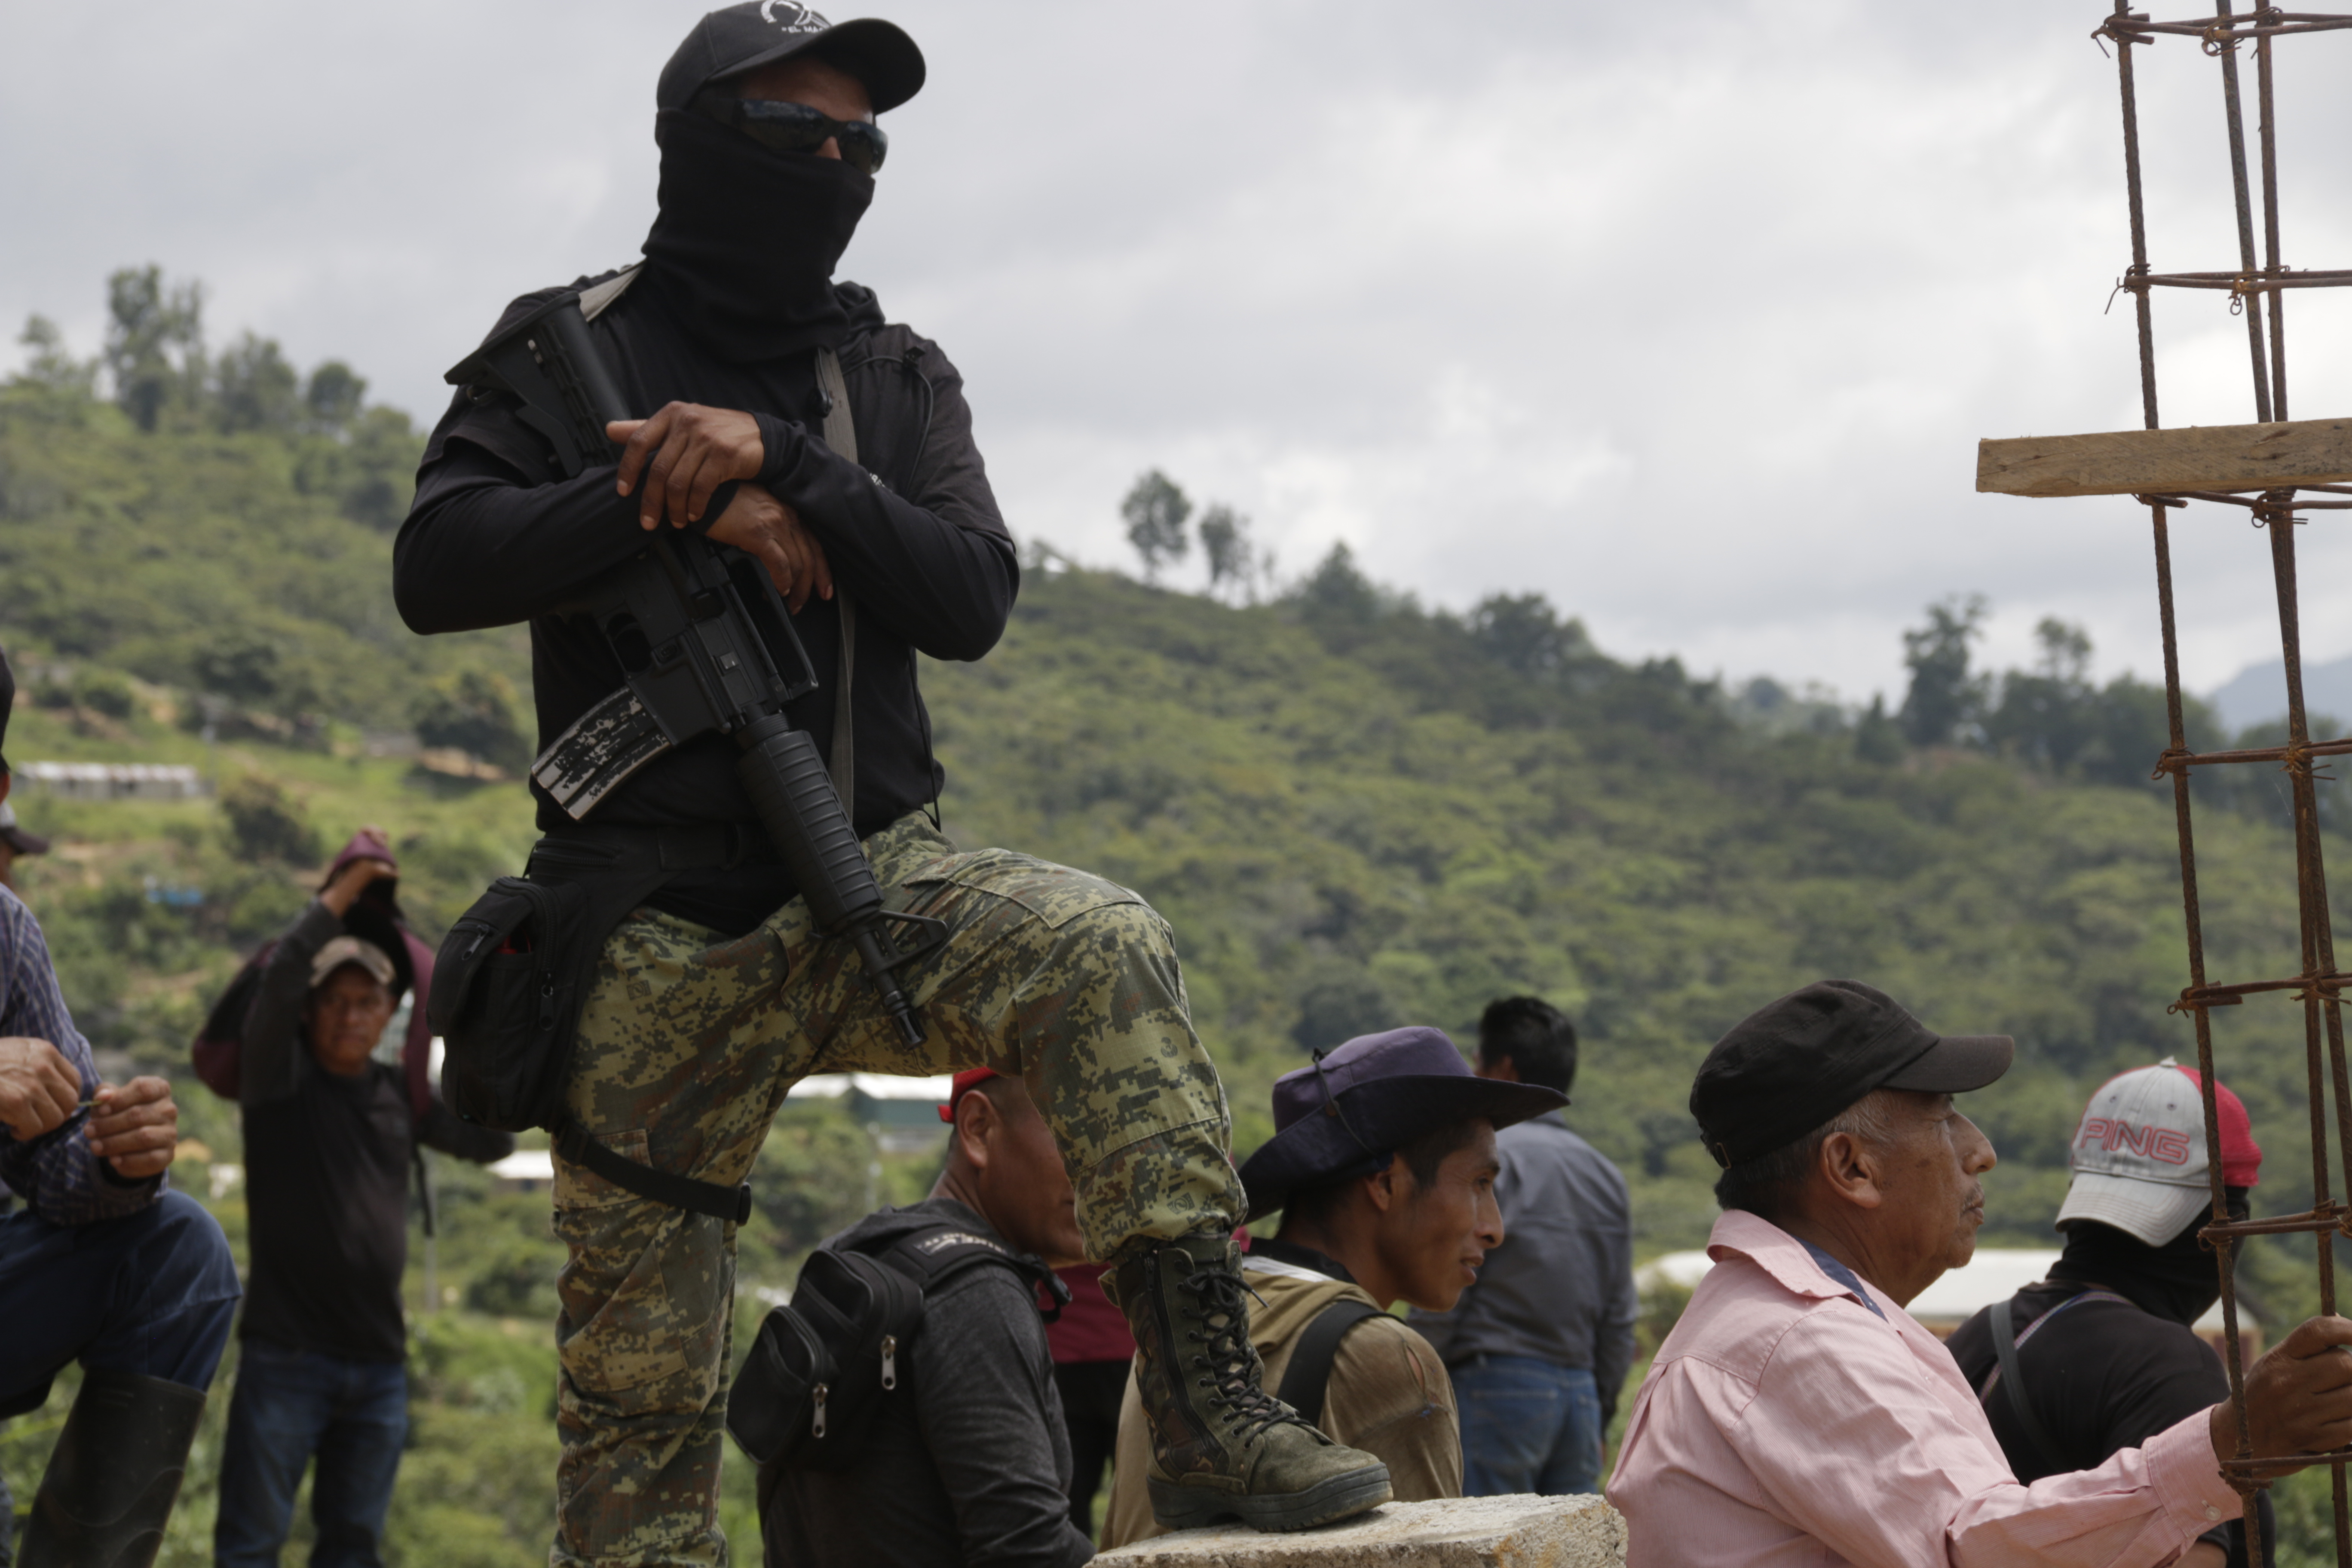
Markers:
(2102, 1375)
(326, 1171)
(974, 1469)
(911, 531)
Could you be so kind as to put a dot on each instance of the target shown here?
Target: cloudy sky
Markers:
(1688, 316)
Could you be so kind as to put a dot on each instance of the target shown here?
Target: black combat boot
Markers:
(114, 1473)
(1222, 1448)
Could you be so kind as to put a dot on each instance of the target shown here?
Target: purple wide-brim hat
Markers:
(1344, 1116)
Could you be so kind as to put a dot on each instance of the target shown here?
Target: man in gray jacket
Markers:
(975, 1470)
(1539, 1346)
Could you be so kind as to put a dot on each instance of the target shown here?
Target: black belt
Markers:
(681, 846)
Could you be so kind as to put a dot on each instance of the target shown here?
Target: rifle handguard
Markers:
(794, 796)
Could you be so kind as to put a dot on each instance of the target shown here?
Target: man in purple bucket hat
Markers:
(1382, 1165)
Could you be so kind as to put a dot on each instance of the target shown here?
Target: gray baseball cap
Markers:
(345, 949)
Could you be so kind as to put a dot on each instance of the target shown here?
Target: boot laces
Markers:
(1227, 1356)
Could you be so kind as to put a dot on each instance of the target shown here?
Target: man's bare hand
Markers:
(683, 454)
(756, 523)
(341, 894)
(2298, 1397)
(136, 1127)
(38, 1088)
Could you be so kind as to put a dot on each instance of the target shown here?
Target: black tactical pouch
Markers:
(511, 977)
(814, 1381)
(506, 996)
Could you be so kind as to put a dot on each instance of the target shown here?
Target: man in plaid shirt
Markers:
(102, 1265)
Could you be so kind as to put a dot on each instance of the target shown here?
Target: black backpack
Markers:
(824, 1367)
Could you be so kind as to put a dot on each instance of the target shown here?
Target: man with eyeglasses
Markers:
(330, 1135)
(788, 419)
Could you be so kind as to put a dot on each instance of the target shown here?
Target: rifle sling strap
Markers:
(840, 433)
(1307, 1378)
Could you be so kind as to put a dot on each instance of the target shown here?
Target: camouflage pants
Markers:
(686, 1049)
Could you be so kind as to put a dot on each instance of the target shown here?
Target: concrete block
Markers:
(1454, 1532)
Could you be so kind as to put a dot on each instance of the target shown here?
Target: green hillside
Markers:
(1356, 812)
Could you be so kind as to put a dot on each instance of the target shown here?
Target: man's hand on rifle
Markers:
(685, 452)
(756, 523)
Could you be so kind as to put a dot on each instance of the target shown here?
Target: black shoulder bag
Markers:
(823, 1366)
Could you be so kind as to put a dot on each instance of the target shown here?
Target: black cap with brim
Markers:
(744, 38)
(1374, 1094)
(1789, 1067)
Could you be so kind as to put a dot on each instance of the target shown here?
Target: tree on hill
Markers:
(265, 823)
(214, 524)
(1235, 559)
(1156, 511)
(254, 388)
(1942, 697)
(154, 343)
(47, 365)
(474, 710)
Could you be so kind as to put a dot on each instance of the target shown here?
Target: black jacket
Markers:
(911, 530)
(975, 1468)
(327, 1161)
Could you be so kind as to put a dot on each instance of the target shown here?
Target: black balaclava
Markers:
(2176, 1280)
(746, 239)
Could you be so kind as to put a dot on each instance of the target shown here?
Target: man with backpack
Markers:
(1384, 1165)
(2101, 1356)
(778, 414)
(967, 1459)
(330, 1135)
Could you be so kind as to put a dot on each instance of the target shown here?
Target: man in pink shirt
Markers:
(1798, 1415)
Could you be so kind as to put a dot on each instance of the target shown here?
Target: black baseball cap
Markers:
(1786, 1067)
(761, 31)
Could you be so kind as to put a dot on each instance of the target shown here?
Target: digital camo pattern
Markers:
(684, 1052)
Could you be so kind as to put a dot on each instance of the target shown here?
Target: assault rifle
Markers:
(693, 624)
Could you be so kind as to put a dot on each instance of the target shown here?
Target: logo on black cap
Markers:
(791, 18)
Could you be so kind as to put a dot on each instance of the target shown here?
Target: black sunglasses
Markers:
(797, 128)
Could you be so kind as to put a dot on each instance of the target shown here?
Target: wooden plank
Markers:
(2165, 462)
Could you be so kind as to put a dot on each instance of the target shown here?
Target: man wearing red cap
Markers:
(2103, 1353)
(975, 1467)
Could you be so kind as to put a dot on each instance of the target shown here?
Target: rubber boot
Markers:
(114, 1474)
(1222, 1448)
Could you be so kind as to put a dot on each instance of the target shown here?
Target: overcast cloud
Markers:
(1688, 316)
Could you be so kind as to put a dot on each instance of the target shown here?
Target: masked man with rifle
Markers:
(691, 764)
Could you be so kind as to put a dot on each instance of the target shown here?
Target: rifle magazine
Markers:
(604, 747)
